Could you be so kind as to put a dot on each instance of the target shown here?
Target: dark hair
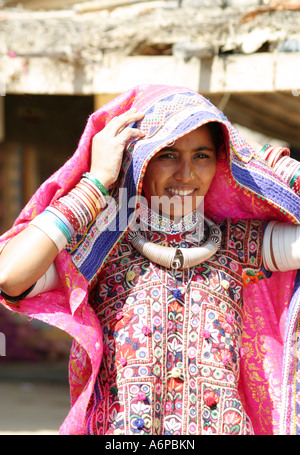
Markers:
(218, 137)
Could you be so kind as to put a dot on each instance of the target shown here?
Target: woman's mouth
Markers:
(181, 191)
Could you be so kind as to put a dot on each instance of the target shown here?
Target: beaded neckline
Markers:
(149, 219)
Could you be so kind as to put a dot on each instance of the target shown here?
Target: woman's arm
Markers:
(25, 259)
(28, 256)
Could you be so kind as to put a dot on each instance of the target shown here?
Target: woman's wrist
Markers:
(101, 187)
(103, 177)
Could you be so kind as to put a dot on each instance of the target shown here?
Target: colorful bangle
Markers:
(287, 168)
(296, 186)
(95, 190)
(63, 219)
(264, 148)
(99, 185)
(272, 154)
(71, 213)
(44, 221)
(295, 177)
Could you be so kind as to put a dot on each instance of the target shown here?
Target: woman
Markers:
(152, 291)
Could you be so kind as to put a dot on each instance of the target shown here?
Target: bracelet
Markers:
(281, 246)
(45, 221)
(15, 299)
(264, 148)
(295, 177)
(266, 248)
(72, 213)
(99, 185)
(271, 154)
(287, 168)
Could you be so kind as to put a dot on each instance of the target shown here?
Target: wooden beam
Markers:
(42, 75)
(261, 73)
(243, 73)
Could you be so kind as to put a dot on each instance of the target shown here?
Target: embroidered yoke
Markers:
(172, 341)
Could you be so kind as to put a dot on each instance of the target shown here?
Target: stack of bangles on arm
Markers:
(286, 167)
(281, 246)
(72, 212)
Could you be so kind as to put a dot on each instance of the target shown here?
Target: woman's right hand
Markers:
(108, 146)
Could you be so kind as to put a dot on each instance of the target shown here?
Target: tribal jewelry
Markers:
(71, 213)
(178, 258)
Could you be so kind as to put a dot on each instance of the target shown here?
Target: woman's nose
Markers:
(184, 171)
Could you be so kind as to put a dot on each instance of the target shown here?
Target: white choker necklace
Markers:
(178, 258)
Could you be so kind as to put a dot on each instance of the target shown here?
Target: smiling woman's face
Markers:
(180, 175)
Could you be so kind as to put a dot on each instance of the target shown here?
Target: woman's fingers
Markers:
(119, 123)
(128, 133)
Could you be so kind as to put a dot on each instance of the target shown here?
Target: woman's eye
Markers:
(167, 155)
(202, 155)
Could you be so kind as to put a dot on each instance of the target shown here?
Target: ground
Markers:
(34, 400)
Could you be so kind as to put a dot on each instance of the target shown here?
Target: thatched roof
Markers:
(86, 31)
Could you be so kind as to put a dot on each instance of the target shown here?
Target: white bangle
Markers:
(49, 281)
(266, 248)
(41, 221)
(283, 241)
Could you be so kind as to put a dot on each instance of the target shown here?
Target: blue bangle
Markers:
(59, 223)
(98, 184)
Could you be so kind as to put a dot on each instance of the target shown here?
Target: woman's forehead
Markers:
(198, 138)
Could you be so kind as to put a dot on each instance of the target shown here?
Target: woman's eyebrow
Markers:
(172, 148)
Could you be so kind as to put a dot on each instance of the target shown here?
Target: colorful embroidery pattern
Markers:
(171, 359)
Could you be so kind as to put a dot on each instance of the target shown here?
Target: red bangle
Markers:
(71, 217)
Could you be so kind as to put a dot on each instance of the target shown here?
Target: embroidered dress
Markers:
(245, 187)
(172, 340)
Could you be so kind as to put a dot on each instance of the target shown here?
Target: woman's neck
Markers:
(151, 220)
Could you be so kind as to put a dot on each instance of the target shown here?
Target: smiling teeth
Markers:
(181, 192)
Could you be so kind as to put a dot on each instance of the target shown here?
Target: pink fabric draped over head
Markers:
(265, 307)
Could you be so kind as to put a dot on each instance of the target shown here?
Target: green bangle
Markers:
(294, 178)
(99, 185)
(264, 148)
